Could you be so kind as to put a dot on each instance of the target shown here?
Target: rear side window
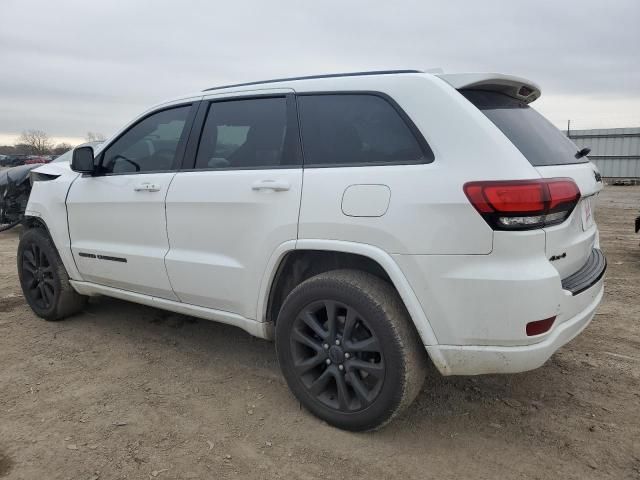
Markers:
(246, 133)
(355, 129)
(538, 140)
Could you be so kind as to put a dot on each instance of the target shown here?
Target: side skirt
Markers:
(253, 327)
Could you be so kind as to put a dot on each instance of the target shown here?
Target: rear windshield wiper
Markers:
(583, 152)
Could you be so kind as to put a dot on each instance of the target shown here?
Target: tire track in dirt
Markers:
(9, 303)
(6, 464)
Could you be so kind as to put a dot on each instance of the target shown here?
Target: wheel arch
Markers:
(296, 261)
(35, 222)
(59, 237)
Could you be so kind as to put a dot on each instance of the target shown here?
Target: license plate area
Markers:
(586, 209)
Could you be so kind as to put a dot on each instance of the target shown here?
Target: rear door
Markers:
(237, 202)
(117, 219)
(553, 155)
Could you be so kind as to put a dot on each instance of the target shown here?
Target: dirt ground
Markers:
(126, 391)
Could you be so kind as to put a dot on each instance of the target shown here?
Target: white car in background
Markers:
(364, 221)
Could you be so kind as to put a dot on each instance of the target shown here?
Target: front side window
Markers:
(148, 146)
(246, 133)
(345, 129)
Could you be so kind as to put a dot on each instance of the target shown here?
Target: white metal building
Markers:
(615, 151)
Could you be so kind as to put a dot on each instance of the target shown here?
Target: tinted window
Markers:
(245, 134)
(148, 146)
(538, 140)
(354, 129)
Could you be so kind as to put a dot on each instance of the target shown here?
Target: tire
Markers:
(376, 367)
(43, 278)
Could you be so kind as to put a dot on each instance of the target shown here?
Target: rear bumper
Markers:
(479, 305)
(485, 359)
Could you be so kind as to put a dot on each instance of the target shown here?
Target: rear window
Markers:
(538, 140)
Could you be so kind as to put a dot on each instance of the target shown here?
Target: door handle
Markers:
(147, 187)
(275, 185)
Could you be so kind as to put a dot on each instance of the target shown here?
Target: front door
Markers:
(117, 220)
(227, 216)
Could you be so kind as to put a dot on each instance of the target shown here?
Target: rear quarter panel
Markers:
(428, 212)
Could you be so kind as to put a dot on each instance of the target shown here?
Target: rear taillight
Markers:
(523, 204)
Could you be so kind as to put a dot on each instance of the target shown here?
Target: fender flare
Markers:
(32, 217)
(400, 282)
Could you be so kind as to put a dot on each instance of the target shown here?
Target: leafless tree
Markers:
(36, 141)
(60, 148)
(94, 137)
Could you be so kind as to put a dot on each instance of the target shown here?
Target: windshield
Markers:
(65, 157)
(538, 140)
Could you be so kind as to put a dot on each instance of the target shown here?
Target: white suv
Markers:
(362, 220)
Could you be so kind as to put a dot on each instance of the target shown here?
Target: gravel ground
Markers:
(126, 391)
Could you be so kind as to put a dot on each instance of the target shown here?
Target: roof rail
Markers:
(313, 77)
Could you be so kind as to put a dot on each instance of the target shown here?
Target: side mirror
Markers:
(82, 160)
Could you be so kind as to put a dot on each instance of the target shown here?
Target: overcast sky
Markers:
(72, 66)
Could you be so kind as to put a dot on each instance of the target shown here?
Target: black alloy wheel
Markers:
(337, 356)
(348, 349)
(38, 277)
(45, 282)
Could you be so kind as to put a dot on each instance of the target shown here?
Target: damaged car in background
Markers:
(15, 186)
(14, 194)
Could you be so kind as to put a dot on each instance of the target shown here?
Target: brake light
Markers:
(523, 204)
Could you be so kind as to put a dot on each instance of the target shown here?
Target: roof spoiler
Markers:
(515, 87)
